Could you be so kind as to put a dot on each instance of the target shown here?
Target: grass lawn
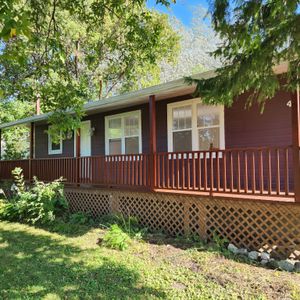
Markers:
(69, 264)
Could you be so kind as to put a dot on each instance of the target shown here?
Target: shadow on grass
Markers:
(33, 266)
(66, 229)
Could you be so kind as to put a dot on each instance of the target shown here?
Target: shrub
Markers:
(37, 204)
(220, 243)
(116, 238)
(81, 218)
(121, 230)
(128, 224)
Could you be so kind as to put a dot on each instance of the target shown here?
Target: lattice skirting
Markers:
(272, 227)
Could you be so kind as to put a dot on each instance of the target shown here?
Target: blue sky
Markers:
(183, 9)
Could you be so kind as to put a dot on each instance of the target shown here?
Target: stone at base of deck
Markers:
(272, 227)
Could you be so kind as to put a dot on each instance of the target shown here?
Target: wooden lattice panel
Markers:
(272, 227)
(96, 203)
(196, 218)
(155, 212)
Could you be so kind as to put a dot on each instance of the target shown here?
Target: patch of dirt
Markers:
(235, 276)
(248, 278)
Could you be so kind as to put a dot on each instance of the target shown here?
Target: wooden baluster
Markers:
(163, 171)
(231, 171)
(253, 173)
(145, 170)
(117, 169)
(286, 170)
(168, 180)
(183, 170)
(269, 172)
(238, 172)
(131, 170)
(134, 168)
(261, 172)
(199, 170)
(188, 171)
(218, 171)
(211, 171)
(225, 171)
(194, 171)
(140, 170)
(136, 160)
(278, 188)
(246, 171)
(205, 170)
(177, 171)
(158, 180)
(173, 170)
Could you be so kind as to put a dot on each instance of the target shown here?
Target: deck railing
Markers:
(258, 171)
(264, 171)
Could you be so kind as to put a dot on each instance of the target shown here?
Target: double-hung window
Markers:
(123, 133)
(194, 126)
(54, 148)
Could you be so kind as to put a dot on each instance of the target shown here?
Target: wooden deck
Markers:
(253, 173)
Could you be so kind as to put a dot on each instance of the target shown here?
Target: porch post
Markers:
(152, 141)
(77, 156)
(31, 150)
(296, 142)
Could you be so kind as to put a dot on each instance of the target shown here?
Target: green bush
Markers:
(121, 230)
(39, 203)
(81, 218)
(220, 243)
(116, 238)
(128, 224)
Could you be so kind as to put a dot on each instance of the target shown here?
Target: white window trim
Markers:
(58, 151)
(122, 115)
(195, 142)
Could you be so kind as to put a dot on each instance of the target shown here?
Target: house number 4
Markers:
(289, 103)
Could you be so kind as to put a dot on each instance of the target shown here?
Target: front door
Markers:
(85, 138)
(85, 150)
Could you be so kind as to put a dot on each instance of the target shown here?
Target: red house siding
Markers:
(251, 128)
(243, 127)
(41, 144)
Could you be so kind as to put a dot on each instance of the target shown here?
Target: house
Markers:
(198, 148)
(163, 140)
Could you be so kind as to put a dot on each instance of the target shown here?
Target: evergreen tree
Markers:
(256, 35)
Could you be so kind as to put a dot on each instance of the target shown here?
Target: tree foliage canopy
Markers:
(16, 139)
(68, 52)
(256, 35)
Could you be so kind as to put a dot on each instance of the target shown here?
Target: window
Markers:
(123, 133)
(54, 148)
(195, 126)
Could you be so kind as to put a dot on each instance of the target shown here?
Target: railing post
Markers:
(77, 137)
(152, 141)
(296, 142)
(31, 150)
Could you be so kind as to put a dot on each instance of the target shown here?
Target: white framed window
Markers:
(54, 148)
(194, 126)
(123, 133)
